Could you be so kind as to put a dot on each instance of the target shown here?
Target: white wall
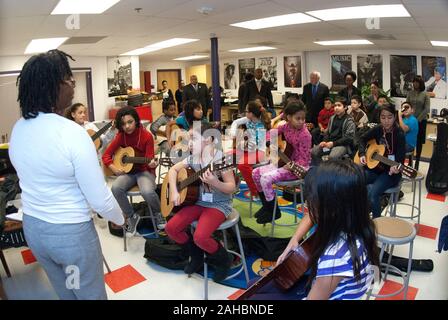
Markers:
(102, 103)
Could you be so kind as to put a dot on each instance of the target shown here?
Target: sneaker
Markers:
(132, 223)
(160, 221)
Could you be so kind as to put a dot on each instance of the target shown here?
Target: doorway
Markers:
(172, 76)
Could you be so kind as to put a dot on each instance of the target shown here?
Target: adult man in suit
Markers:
(241, 92)
(313, 97)
(197, 91)
(258, 87)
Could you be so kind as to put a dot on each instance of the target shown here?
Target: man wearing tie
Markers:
(258, 87)
(197, 91)
(313, 97)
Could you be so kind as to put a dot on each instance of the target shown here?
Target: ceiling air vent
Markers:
(83, 40)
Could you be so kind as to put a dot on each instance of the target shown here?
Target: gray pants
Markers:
(146, 182)
(335, 153)
(70, 255)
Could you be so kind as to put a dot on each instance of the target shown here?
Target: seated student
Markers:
(383, 177)
(78, 113)
(322, 120)
(355, 110)
(131, 133)
(214, 205)
(373, 115)
(297, 135)
(339, 137)
(257, 122)
(409, 124)
(158, 127)
(345, 249)
(262, 100)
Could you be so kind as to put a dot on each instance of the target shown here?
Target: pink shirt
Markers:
(300, 140)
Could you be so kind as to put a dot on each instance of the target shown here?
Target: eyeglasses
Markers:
(72, 82)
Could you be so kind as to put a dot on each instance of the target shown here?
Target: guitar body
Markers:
(287, 149)
(119, 156)
(375, 156)
(96, 135)
(188, 195)
(372, 149)
(287, 273)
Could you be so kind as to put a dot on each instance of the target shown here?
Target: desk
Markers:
(144, 112)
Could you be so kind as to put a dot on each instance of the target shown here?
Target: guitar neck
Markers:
(385, 160)
(137, 160)
(101, 131)
(283, 156)
(192, 179)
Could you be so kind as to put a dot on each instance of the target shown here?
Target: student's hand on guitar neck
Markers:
(209, 178)
(154, 163)
(363, 160)
(394, 170)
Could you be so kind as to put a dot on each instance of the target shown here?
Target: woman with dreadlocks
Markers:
(60, 179)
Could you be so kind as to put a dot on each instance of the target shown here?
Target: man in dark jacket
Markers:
(314, 94)
(197, 91)
(258, 87)
(241, 92)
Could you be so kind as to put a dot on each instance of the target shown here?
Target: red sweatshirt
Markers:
(324, 117)
(142, 142)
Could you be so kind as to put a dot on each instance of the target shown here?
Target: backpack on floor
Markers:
(423, 265)
(166, 253)
(437, 177)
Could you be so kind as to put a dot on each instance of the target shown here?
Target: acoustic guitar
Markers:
(188, 184)
(375, 155)
(288, 272)
(124, 159)
(95, 135)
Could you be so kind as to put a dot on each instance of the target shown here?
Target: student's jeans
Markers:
(335, 153)
(377, 183)
(71, 256)
(146, 182)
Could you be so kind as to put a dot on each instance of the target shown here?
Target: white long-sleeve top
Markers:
(60, 177)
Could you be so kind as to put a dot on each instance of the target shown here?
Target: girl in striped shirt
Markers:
(345, 240)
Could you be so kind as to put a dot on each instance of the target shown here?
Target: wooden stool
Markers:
(390, 232)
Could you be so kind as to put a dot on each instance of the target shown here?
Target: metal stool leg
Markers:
(243, 257)
(124, 239)
(205, 278)
(409, 270)
(295, 204)
(107, 266)
(391, 252)
(153, 220)
(273, 214)
(224, 236)
(250, 204)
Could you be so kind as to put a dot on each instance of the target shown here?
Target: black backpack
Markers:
(437, 178)
(166, 253)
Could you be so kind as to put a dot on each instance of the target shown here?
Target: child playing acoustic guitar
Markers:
(131, 133)
(211, 209)
(297, 135)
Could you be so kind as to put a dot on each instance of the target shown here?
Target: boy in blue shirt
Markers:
(409, 123)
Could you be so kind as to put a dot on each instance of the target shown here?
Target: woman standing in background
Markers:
(420, 100)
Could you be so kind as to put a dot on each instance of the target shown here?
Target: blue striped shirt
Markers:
(337, 262)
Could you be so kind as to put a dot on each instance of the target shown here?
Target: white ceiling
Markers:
(125, 29)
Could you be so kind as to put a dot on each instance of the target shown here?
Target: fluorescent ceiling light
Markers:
(374, 11)
(191, 57)
(343, 42)
(83, 6)
(158, 46)
(283, 20)
(43, 45)
(252, 49)
(439, 43)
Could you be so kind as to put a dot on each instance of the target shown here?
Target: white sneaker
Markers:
(132, 223)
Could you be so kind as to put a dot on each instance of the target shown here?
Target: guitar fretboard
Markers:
(138, 160)
(101, 131)
(286, 159)
(385, 160)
